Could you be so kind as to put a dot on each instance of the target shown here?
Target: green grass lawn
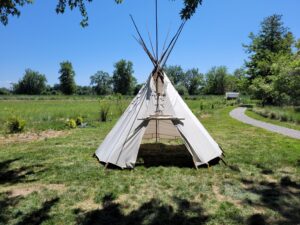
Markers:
(57, 181)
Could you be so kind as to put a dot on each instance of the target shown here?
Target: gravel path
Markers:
(239, 114)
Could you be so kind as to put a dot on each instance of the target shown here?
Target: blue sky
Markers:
(40, 39)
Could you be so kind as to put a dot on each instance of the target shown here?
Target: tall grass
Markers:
(285, 114)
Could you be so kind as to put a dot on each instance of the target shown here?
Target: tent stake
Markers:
(208, 166)
(156, 131)
(196, 167)
(223, 161)
(106, 165)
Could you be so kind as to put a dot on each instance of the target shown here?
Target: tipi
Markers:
(158, 111)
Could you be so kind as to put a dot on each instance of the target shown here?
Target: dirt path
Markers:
(239, 114)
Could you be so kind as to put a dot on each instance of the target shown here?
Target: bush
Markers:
(285, 114)
(79, 121)
(272, 115)
(283, 117)
(181, 90)
(15, 125)
(71, 123)
(201, 106)
(104, 112)
(297, 108)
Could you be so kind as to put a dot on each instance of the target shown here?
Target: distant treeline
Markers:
(271, 73)
(190, 82)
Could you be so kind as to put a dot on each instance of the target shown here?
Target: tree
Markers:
(123, 80)
(272, 39)
(137, 88)
(101, 82)
(32, 83)
(286, 83)
(241, 80)
(175, 74)
(4, 91)
(67, 82)
(181, 89)
(270, 67)
(231, 83)
(84, 90)
(12, 8)
(193, 81)
(216, 80)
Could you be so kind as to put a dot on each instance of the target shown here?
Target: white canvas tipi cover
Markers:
(141, 120)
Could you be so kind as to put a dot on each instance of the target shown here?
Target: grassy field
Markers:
(55, 180)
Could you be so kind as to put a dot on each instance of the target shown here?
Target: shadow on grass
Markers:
(282, 197)
(151, 212)
(6, 203)
(16, 175)
(40, 215)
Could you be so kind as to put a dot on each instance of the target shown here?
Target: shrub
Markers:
(181, 90)
(283, 117)
(297, 108)
(272, 115)
(79, 121)
(104, 112)
(71, 123)
(15, 125)
(201, 106)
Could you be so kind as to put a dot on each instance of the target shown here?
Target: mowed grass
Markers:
(57, 181)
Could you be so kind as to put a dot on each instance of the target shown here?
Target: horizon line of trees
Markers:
(189, 82)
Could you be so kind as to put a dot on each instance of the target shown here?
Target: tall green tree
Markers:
(273, 40)
(123, 77)
(241, 80)
(32, 83)
(12, 8)
(216, 80)
(101, 83)
(175, 74)
(193, 81)
(67, 82)
(269, 65)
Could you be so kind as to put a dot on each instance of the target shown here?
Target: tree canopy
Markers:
(101, 82)
(67, 82)
(216, 80)
(32, 83)
(193, 81)
(123, 80)
(12, 8)
(273, 65)
(175, 74)
(273, 39)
